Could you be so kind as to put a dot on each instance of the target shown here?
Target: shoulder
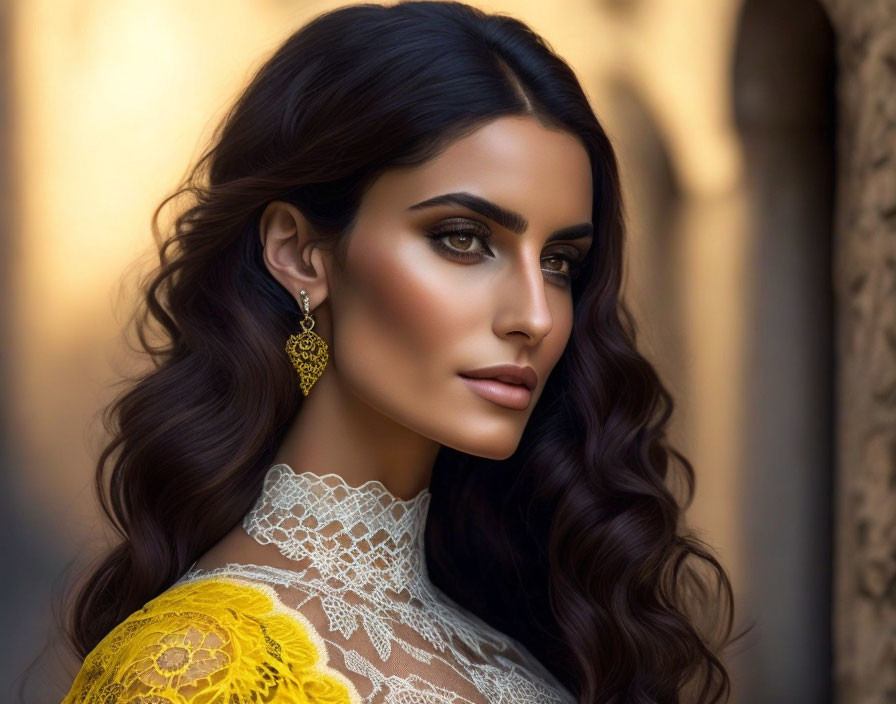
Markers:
(209, 640)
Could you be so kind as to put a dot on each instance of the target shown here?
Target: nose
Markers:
(524, 304)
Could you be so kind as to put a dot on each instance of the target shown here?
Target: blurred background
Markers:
(744, 276)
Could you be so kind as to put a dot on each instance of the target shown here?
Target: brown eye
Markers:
(564, 265)
(558, 261)
(456, 239)
(461, 240)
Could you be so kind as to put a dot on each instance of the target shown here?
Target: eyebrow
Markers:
(508, 219)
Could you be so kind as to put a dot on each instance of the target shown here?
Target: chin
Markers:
(489, 448)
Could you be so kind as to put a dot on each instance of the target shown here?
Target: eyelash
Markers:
(436, 236)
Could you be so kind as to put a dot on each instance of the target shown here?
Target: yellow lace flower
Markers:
(213, 640)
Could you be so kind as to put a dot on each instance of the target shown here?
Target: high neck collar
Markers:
(357, 535)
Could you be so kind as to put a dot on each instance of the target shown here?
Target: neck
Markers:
(336, 432)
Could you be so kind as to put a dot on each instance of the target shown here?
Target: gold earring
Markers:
(307, 350)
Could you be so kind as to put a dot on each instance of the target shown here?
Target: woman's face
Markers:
(431, 291)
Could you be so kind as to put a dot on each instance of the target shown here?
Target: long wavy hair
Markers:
(579, 530)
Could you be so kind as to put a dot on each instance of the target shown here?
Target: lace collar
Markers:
(355, 535)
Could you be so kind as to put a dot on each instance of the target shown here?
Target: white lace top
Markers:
(360, 579)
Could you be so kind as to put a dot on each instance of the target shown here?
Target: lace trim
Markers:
(501, 668)
(216, 640)
(361, 569)
(353, 535)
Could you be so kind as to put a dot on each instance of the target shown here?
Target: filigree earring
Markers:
(307, 350)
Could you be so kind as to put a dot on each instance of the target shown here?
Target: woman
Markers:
(398, 444)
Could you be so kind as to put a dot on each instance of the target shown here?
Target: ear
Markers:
(290, 252)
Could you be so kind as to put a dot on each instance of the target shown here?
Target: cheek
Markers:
(405, 322)
(397, 316)
(562, 327)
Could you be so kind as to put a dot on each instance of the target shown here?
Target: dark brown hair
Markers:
(578, 530)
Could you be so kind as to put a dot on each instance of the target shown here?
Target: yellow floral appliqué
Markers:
(209, 641)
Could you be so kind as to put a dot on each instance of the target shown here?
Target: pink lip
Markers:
(507, 395)
(509, 373)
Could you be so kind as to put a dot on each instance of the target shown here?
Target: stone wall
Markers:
(865, 288)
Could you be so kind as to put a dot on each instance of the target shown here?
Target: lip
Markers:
(507, 385)
(510, 373)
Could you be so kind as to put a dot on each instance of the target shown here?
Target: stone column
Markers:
(865, 288)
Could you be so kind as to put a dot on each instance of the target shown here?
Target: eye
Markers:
(572, 261)
(456, 238)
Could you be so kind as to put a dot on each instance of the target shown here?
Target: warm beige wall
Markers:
(112, 100)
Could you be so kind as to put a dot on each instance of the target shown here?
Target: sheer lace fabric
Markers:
(361, 580)
(211, 640)
(352, 618)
